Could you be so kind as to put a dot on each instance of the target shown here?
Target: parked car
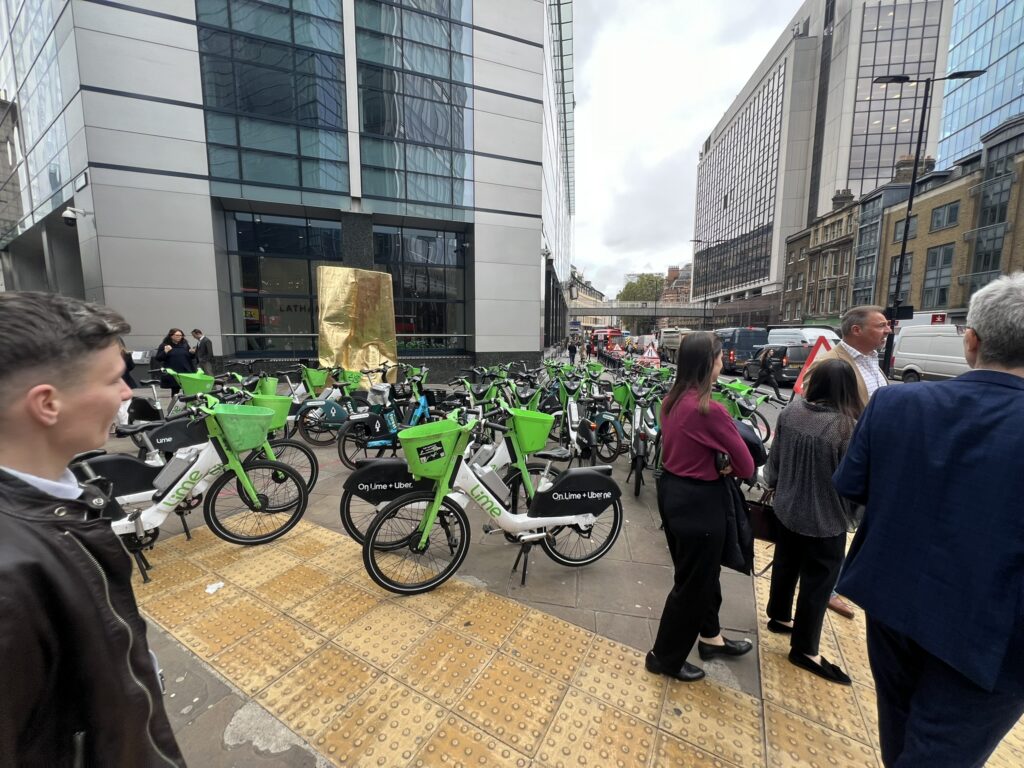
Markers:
(801, 334)
(739, 345)
(793, 358)
(930, 352)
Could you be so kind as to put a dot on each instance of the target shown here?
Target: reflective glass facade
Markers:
(985, 34)
(900, 39)
(416, 107)
(274, 92)
(736, 195)
(993, 223)
(35, 169)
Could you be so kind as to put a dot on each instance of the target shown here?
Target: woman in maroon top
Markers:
(694, 502)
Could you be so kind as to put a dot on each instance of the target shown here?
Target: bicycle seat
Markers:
(88, 455)
(555, 454)
(123, 430)
(148, 382)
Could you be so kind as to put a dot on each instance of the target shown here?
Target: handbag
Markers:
(762, 517)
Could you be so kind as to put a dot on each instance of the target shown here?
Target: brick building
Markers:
(795, 281)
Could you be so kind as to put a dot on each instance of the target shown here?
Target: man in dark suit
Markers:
(938, 563)
(203, 351)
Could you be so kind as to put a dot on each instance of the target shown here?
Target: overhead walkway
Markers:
(692, 312)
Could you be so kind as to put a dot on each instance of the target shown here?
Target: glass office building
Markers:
(219, 160)
(985, 34)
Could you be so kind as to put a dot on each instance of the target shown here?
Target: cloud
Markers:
(652, 79)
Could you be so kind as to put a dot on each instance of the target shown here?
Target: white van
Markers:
(800, 335)
(932, 352)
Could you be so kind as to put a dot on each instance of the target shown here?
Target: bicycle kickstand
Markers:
(143, 564)
(184, 524)
(524, 555)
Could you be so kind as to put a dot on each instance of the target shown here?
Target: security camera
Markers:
(70, 216)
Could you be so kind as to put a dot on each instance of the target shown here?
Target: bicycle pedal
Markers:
(489, 529)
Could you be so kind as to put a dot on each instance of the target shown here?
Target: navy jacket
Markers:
(940, 554)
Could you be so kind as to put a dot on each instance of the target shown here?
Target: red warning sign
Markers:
(798, 387)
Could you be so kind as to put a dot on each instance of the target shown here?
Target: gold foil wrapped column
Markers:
(357, 319)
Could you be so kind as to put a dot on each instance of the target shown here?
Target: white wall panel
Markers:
(507, 136)
(135, 66)
(519, 18)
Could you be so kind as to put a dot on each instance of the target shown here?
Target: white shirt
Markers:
(867, 365)
(66, 487)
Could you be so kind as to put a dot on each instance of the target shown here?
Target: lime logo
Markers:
(480, 497)
(182, 490)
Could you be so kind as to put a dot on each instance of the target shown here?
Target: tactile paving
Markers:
(385, 726)
(587, 731)
(202, 538)
(438, 603)
(670, 751)
(442, 665)
(869, 709)
(513, 703)
(831, 705)
(795, 741)
(216, 629)
(167, 573)
(383, 634)
(763, 554)
(343, 557)
(307, 545)
(291, 587)
(187, 601)
(457, 743)
(854, 651)
(719, 720)
(549, 644)
(311, 696)
(257, 660)
(487, 618)
(262, 565)
(335, 608)
(1010, 752)
(615, 674)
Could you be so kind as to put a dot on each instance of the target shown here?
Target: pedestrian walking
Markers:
(695, 502)
(770, 362)
(203, 352)
(79, 684)
(810, 439)
(571, 348)
(174, 353)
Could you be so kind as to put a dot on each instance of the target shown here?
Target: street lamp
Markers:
(704, 313)
(966, 74)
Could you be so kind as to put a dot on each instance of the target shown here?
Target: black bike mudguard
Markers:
(128, 474)
(578, 491)
(179, 433)
(141, 409)
(334, 413)
(374, 423)
(380, 480)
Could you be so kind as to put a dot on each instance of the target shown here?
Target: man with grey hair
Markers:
(864, 330)
(938, 563)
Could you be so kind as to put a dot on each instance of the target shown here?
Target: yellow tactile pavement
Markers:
(461, 676)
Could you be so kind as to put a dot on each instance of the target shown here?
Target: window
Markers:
(938, 271)
(911, 234)
(786, 315)
(803, 254)
(789, 283)
(800, 281)
(791, 257)
(799, 310)
(945, 216)
(908, 263)
(831, 299)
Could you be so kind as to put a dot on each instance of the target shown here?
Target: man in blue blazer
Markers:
(938, 563)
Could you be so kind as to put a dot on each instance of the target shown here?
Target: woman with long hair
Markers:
(694, 503)
(810, 440)
(174, 353)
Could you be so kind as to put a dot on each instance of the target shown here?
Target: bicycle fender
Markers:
(380, 480)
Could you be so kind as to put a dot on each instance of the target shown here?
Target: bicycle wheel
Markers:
(356, 515)
(232, 517)
(638, 474)
(609, 442)
(574, 545)
(295, 455)
(315, 429)
(514, 480)
(390, 551)
(352, 441)
(761, 426)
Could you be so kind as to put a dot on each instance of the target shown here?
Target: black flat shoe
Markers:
(688, 674)
(826, 669)
(779, 628)
(731, 648)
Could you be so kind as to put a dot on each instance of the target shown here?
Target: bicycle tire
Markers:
(352, 444)
(282, 513)
(638, 469)
(563, 542)
(293, 453)
(356, 515)
(761, 426)
(513, 479)
(609, 442)
(394, 566)
(314, 429)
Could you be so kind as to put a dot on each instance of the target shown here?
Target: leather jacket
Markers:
(79, 687)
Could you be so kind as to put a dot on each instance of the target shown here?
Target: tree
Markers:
(646, 287)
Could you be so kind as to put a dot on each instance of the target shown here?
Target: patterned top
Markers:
(867, 366)
(810, 441)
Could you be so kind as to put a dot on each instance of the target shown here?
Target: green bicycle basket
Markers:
(595, 368)
(315, 378)
(194, 383)
(620, 393)
(281, 405)
(244, 426)
(352, 378)
(266, 386)
(665, 373)
(532, 428)
(428, 447)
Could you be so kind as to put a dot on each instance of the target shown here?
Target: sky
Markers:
(652, 79)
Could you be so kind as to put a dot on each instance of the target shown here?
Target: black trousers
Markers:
(928, 713)
(694, 514)
(767, 376)
(815, 563)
